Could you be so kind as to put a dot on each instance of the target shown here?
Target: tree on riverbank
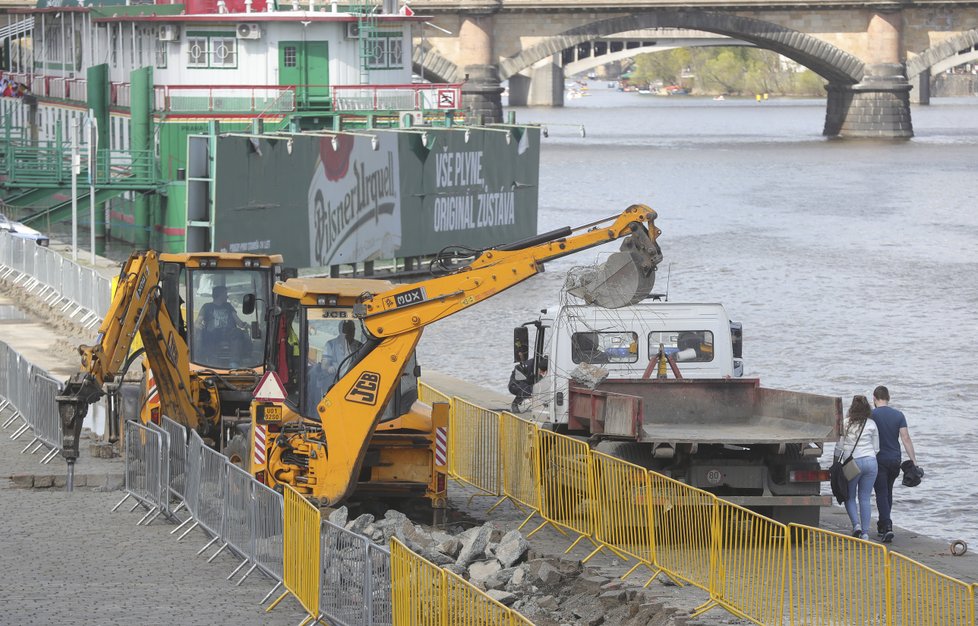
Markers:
(732, 70)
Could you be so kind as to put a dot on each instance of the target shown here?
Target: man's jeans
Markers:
(889, 470)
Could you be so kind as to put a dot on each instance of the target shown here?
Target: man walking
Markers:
(892, 427)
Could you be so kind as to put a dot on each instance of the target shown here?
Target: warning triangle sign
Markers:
(270, 388)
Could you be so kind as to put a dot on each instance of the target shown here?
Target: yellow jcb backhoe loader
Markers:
(336, 410)
(201, 320)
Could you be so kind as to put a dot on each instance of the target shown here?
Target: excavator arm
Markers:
(350, 410)
(135, 308)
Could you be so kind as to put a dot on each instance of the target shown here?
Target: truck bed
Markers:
(729, 411)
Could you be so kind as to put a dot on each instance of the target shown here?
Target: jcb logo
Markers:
(365, 389)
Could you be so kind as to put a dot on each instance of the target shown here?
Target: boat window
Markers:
(196, 52)
(680, 342)
(604, 347)
(385, 51)
(289, 56)
(224, 52)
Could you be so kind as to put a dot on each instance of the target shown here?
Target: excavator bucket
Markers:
(627, 277)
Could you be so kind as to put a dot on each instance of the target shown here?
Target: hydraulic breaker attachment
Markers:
(80, 391)
(627, 277)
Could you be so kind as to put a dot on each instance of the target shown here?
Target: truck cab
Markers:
(700, 337)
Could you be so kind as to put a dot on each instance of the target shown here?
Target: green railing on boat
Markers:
(48, 164)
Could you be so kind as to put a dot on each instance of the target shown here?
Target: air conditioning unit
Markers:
(352, 30)
(411, 118)
(249, 30)
(169, 32)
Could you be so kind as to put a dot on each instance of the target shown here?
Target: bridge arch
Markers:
(432, 66)
(826, 60)
(947, 49)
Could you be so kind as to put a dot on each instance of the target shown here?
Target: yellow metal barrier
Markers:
(302, 557)
(921, 595)
(518, 450)
(417, 589)
(430, 395)
(566, 495)
(466, 605)
(473, 446)
(423, 594)
(750, 556)
(681, 518)
(622, 509)
(835, 578)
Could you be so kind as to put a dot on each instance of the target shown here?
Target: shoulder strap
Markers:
(856, 443)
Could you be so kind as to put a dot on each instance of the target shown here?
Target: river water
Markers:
(850, 263)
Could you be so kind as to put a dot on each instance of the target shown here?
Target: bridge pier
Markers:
(481, 90)
(877, 106)
(920, 94)
(544, 87)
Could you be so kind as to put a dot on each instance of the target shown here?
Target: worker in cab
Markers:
(336, 355)
(526, 373)
(218, 328)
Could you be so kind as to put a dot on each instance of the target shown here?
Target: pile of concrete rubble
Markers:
(550, 590)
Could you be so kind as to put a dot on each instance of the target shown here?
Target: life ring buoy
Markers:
(959, 548)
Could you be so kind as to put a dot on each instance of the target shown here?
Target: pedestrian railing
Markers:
(79, 293)
(28, 393)
(337, 575)
(750, 565)
(147, 470)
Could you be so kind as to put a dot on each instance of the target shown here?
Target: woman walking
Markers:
(861, 441)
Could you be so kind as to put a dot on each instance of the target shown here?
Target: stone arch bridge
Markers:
(871, 54)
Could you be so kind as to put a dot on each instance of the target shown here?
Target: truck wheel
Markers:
(237, 450)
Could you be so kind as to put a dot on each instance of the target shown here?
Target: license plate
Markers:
(273, 414)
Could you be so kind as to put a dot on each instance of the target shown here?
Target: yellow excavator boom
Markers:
(136, 308)
(350, 410)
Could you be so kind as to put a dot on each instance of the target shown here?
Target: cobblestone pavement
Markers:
(69, 560)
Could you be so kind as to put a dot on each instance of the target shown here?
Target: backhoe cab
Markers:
(315, 339)
(337, 411)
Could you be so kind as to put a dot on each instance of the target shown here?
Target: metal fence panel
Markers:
(144, 470)
(518, 446)
(178, 457)
(473, 446)
(195, 458)
(748, 573)
(213, 485)
(345, 583)
(622, 508)
(380, 585)
(269, 513)
(565, 483)
(921, 595)
(818, 595)
(417, 588)
(301, 551)
(467, 604)
(238, 519)
(682, 527)
(430, 395)
(44, 407)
